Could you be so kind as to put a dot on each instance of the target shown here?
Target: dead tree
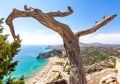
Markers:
(70, 39)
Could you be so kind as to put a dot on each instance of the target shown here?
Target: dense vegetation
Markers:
(97, 54)
(98, 58)
(7, 52)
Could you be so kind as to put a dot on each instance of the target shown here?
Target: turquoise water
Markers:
(28, 64)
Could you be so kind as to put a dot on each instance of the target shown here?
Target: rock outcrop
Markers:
(98, 77)
(106, 76)
(54, 52)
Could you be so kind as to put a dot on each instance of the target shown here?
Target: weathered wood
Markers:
(71, 40)
(97, 26)
(61, 14)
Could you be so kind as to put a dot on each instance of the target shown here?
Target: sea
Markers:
(28, 64)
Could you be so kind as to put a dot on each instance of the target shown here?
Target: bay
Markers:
(28, 64)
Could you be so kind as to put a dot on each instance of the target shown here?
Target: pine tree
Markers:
(7, 51)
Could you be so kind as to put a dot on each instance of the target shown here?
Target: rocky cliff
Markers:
(54, 52)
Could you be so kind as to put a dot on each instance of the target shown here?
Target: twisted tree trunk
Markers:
(71, 40)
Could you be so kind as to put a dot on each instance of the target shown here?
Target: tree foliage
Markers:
(7, 51)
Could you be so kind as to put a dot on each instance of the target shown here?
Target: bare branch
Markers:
(96, 27)
(61, 14)
(14, 14)
(43, 18)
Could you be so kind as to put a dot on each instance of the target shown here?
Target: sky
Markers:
(85, 13)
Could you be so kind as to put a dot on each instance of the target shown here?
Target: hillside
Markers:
(95, 56)
(83, 45)
(98, 61)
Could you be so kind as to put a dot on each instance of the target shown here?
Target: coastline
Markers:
(46, 74)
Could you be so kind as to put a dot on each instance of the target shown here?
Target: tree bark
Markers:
(71, 40)
(77, 75)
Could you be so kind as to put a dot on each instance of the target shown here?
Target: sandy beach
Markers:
(48, 73)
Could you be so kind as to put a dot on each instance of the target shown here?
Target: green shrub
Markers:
(7, 51)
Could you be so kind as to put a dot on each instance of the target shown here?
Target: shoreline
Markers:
(46, 73)
(35, 76)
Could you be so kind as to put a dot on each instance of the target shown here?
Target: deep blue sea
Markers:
(28, 65)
